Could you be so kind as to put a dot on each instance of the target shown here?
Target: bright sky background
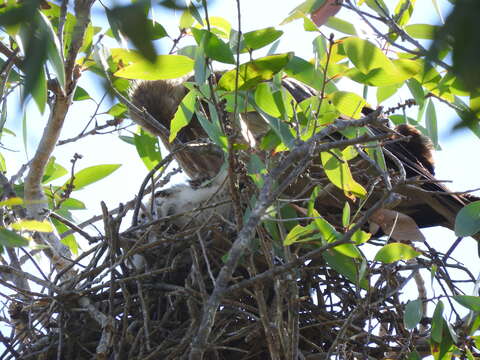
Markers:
(457, 162)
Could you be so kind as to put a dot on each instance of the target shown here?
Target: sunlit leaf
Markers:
(346, 214)
(254, 72)
(148, 148)
(421, 31)
(53, 171)
(338, 172)
(394, 252)
(184, 114)
(385, 92)
(259, 38)
(69, 240)
(378, 6)
(13, 201)
(117, 110)
(165, 66)
(33, 225)
(277, 106)
(305, 7)
(366, 56)
(348, 103)
(73, 204)
(403, 11)
(305, 72)
(91, 174)
(341, 25)
(302, 234)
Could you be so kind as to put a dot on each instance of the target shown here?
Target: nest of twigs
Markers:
(276, 306)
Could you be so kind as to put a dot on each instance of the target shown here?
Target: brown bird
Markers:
(429, 203)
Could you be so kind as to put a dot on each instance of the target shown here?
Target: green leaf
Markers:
(132, 21)
(259, 38)
(157, 30)
(413, 313)
(437, 323)
(341, 25)
(214, 47)
(33, 225)
(338, 172)
(117, 110)
(467, 222)
(304, 71)
(431, 122)
(80, 94)
(346, 214)
(128, 139)
(414, 356)
(376, 5)
(344, 265)
(329, 234)
(186, 19)
(53, 171)
(54, 53)
(302, 234)
(403, 12)
(36, 42)
(359, 237)
(385, 92)
(422, 31)
(69, 240)
(184, 114)
(165, 66)
(394, 252)
(348, 103)
(366, 56)
(148, 148)
(254, 72)
(280, 128)
(403, 69)
(11, 239)
(219, 26)
(91, 174)
(276, 104)
(13, 201)
(470, 302)
(417, 91)
(256, 169)
(213, 130)
(73, 204)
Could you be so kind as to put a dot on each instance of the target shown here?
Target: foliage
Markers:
(281, 270)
